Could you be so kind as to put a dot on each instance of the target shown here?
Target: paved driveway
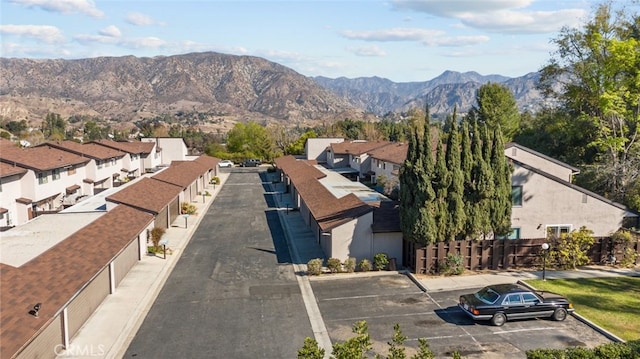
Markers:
(385, 300)
(233, 293)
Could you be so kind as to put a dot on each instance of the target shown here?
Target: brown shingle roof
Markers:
(386, 217)
(40, 158)
(133, 147)
(181, 173)
(56, 275)
(7, 170)
(207, 161)
(91, 150)
(394, 153)
(327, 210)
(147, 194)
(357, 147)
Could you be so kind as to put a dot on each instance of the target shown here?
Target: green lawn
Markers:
(612, 303)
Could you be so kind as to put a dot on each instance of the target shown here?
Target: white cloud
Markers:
(505, 16)
(91, 39)
(43, 33)
(453, 8)
(150, 42)
(524, 22)
(86, 7)
(396, 34)
(138, 19)
(111, 31)
(370, 51)
(456, 41)
(9, 49)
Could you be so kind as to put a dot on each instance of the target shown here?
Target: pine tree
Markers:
(455, 194)
(466, 165)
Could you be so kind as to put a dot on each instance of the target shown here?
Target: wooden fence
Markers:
(499, 254)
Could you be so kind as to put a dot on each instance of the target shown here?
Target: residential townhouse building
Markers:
(170, 148)
(52, 175)
(351, 158)
(386, 161)
(143, 157)
(105, 165)
(316, 148)
(10, 190)
(343, 220)
(546, 201)
(68, 264)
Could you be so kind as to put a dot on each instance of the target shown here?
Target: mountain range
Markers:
(226, 87)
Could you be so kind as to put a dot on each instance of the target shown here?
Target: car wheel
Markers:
(498, 319)
(559, 314)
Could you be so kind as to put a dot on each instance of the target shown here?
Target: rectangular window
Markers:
(584, 198)
(55, 174)
(99, 164)
(71, 171)
(558, 230)
(516, 195)
(514, 234)
(43, 177)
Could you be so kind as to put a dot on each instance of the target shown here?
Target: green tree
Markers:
(501, 203)
(455, 193)
(396, 345)
(441, 182)
(496, 105)
(356, 347)
(417, 197)
(297, 146)
(310, 350)
(54, 127)
(598, 68)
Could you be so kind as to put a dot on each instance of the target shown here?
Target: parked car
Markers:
(251, 163)
(499, 303)
(225, 163)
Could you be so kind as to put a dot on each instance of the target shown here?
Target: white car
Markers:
(225, 163)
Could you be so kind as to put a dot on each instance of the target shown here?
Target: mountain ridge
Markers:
(226, 88)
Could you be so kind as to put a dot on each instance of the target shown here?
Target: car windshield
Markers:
(487, 295)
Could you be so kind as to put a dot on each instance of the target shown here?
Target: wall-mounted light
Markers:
(540, 225)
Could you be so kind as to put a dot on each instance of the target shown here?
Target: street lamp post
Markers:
(545, 250)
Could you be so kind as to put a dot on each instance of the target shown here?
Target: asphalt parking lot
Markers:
(383, 301)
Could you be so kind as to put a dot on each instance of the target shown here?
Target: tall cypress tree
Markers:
(484, 181)
(466, 165)
(416, 191)
(455, 194)
(441, 186)
(501, 203)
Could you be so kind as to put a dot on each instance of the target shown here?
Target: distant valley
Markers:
(224, 89)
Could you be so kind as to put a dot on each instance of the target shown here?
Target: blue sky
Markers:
(400, 40)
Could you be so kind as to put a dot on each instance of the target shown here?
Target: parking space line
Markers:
(524, 330)
(378, 317)
(447, 313)
(367, 296)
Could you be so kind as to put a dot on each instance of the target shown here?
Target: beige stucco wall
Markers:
(382, 167)
(315, 148)
(11, 189)
(546, 202)
(352, 239)
(539, 163)
(389, 243)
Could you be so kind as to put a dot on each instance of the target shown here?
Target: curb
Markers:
(414, 280)
(586, 321)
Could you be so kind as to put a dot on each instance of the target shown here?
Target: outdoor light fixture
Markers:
(545, 249)
(35, 310)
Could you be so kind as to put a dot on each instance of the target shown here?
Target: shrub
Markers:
(310, 350)
(624, 239)
(188, 208)
(381, 260)
(334, 265)
(350, 265)
(365, 265)
(452, 265)
(314, 266)
(570, 250)
(156, 235)
(214, 180)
